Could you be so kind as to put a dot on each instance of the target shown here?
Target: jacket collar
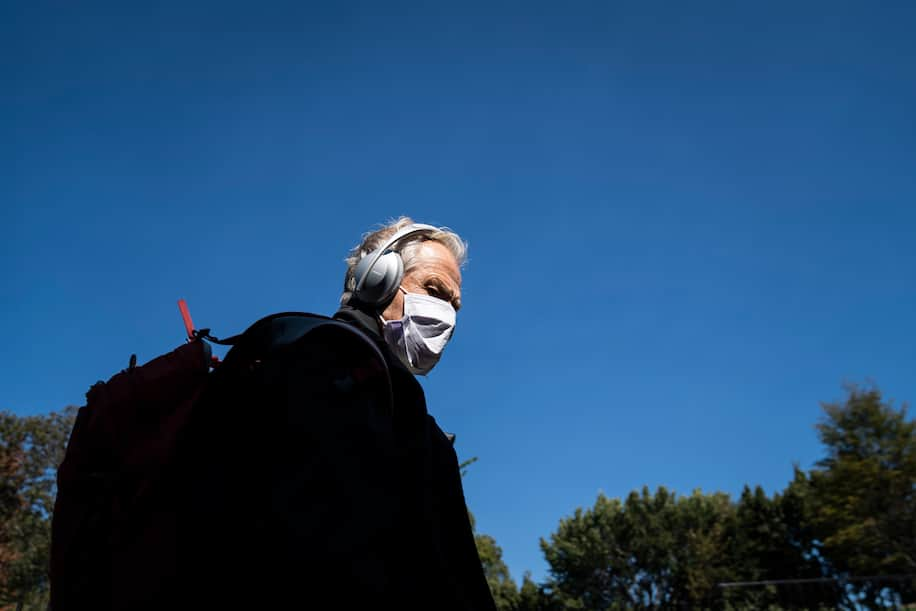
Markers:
(370, 324)
(409, 396)
(362, 319)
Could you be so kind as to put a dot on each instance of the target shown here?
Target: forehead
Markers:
(435, 258)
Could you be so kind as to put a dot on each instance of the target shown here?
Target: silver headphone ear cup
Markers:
(382, 281)
(376, 282)
(394, 273)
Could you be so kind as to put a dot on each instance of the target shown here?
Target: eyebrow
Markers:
(456, 301)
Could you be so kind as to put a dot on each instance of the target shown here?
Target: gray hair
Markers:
(407, 247)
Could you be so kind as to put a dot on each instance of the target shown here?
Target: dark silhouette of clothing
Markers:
(441, 534)
(320, 481)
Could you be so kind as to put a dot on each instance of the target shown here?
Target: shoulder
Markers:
(280, 334)
(303, 350)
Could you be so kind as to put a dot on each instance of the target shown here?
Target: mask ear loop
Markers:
(382, 320)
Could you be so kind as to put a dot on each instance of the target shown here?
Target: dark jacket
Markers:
(446, 556)
(319, 480)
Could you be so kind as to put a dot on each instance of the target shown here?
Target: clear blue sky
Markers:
(689, 223)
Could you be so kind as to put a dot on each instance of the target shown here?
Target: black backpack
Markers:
(177, 468)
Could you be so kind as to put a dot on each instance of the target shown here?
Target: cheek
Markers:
(395, 309)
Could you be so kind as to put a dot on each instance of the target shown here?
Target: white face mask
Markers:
(420, 337)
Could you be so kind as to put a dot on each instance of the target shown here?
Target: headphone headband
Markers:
(375, 255)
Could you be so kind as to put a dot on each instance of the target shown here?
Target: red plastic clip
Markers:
(186, 316)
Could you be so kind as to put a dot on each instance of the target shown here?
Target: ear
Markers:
(393, 309)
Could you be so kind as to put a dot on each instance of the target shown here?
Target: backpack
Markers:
(137, 479)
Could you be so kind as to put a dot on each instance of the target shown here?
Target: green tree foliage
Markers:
(862, 495)
(651, 551)
(504, 591)
(463, 467)
(773, 542)
(31, 448)
(663, 551)
(853, 515)
(534, 597)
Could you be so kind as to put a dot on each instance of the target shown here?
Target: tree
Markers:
(532, 597)
(773, 542)
(862, 494)
(664, 551)
(504, 590)
(31, 448)
(650, 551)
(818, 544)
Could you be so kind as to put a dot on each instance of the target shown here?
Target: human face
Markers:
(436, 274)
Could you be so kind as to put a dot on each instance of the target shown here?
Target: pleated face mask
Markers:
(420, 337)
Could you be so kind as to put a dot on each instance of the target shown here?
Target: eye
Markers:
(437, 290)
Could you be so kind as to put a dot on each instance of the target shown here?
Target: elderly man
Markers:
(336, 488)
(403, 289)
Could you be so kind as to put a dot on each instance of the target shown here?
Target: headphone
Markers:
(378, 275)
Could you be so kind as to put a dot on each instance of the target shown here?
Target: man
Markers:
(402, 288)
(315, 477)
